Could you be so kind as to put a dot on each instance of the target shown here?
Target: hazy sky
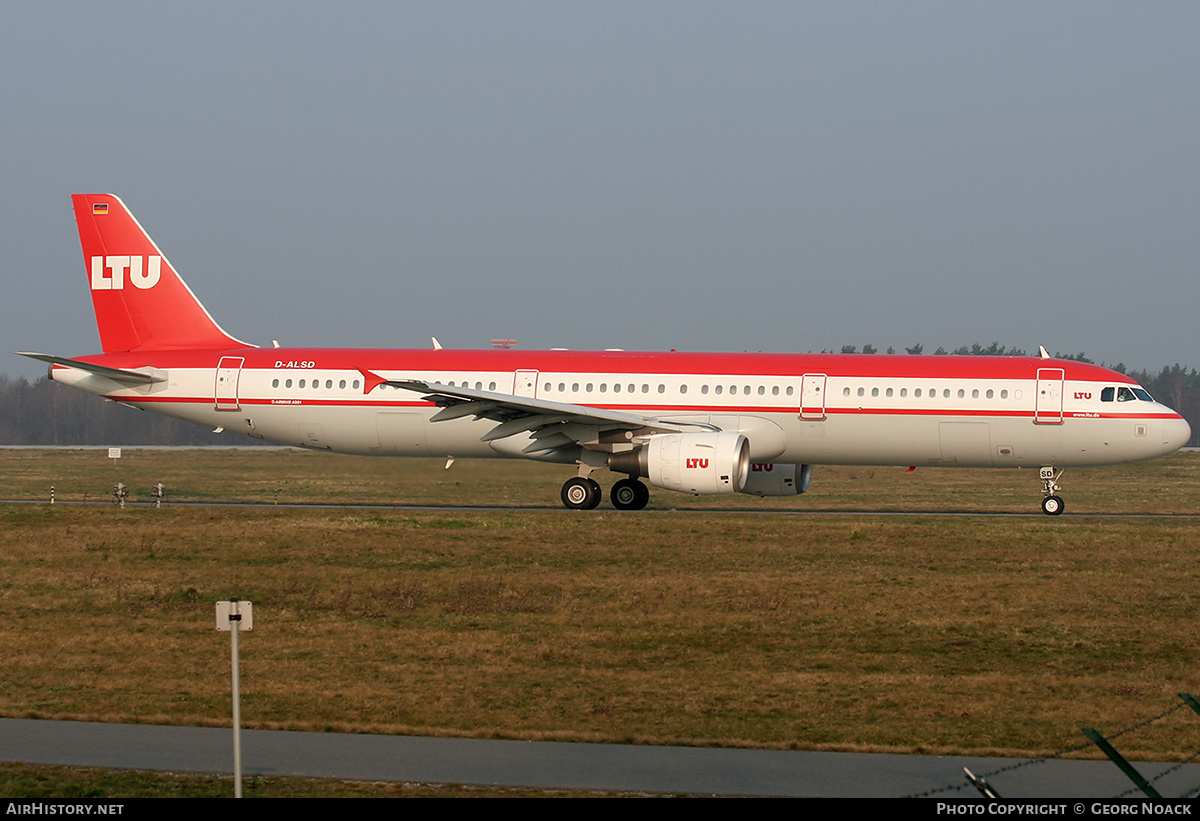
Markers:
(707, 176)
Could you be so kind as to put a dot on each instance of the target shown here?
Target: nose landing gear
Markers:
(1052, 503)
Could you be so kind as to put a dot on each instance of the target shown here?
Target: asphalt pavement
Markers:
(561, 765)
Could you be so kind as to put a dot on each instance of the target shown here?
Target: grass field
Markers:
(263, 475)
(24, 781)
(680, 624)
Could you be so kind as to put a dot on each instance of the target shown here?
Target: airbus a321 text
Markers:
(697, 423)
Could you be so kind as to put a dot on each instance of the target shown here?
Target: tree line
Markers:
(43, 412)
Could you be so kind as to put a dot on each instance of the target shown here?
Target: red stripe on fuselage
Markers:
(655, 409)
(583, 363)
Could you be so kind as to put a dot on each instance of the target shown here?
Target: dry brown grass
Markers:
(25, 781)
(974, 635)
(255, 475)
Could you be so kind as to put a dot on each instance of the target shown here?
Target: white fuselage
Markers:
(1053, 413)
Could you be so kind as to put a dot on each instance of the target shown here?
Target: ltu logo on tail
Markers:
(109, 273)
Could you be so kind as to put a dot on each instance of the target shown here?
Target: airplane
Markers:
(698, 423)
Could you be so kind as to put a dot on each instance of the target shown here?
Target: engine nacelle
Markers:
(774, 479)
(700, 463)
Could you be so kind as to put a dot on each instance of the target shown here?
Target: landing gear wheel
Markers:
(629, 494)
(580, 493)
(1052, 505)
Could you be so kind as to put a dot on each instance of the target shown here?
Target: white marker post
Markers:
(236, 616)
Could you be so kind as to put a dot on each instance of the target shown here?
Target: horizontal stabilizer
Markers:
(115, 374)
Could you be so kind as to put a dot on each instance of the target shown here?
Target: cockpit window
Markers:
(1125, 394)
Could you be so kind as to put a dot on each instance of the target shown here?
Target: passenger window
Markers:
(274, 383)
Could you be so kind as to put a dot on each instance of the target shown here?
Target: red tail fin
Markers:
(141, 303)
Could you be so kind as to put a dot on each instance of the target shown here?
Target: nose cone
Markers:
(1175, 434)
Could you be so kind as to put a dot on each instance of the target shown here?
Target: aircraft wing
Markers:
(115, 374)
(552, 424)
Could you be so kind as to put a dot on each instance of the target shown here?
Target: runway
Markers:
(559, 510)
(558, 765)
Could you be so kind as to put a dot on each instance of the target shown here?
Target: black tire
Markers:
(629, 494)
(580, 493)
(1052, 505)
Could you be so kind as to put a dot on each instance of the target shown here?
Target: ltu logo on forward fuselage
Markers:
(108, 273)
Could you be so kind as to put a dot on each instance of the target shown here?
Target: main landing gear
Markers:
(629, 494)
(584, 493)
(581, 493)
(1052, 504)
